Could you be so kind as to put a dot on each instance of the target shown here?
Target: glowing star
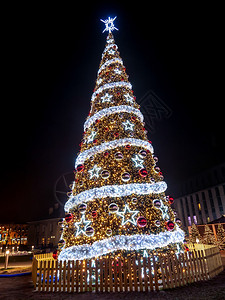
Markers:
(99, 81)
(138, 161)
(164, 210)
(111, 51)
(82, 225)
(106, 98)
(128, 98)
(109, 26)
(117, 71)
(128, 125)
(91, 137)
(94, 172)
(128, 215)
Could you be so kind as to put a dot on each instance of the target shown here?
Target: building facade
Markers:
(44, 233)
(202, 198)
(13, 235)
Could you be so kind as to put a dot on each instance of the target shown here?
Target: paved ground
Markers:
(21, 288)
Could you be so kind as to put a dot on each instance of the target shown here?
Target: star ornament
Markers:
(91, 137)
(128, 125)
(94, 172)
(106, 98)
(138, 161)
(82, 225)
(128, 215)
(109, 26)
(128, 98)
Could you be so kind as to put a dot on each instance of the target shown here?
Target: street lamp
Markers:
(6, 258)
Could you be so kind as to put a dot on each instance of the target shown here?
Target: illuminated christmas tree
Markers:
(208, 236)
(221, 237)
(195, 235)
(118, 202)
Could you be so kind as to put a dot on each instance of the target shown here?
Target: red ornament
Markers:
(68, 217)
(106, 128)
(80, 168)
(116, 134)
(150, 142)
(170, 225)
(142, 222)
(127, 146)
(186, 248)
(106, 154)
(95, 141)
(133, 118)
(55, 254)
(94, 214)
(143, 172)
(171, 200)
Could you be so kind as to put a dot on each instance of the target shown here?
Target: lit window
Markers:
(195, 219)
(189, 220)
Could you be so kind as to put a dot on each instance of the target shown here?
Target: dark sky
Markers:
(50, 60)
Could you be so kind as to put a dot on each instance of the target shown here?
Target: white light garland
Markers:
(109, 62)
(115, 191)
(111, 85)
(122, 242)
(108, 47)
(83, 156)
(112, 110)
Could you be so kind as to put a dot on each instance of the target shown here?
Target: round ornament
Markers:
(118, 156)
(80, 168)
(108, 232)
(116, 134)
(94, 214)
(113, 208)
(134, 200)
(105, 174)
(157, 203)
(106, 154)
(61, 243)
(89, 231)
(157, 223)
(170, 225)
(125, 177)
(143, 172)
(171, 200)
(178, 221)
(155, 159)
(127, 146)
(82, 208)
(186, 248)
(55, 254)
(68, 217)
(161, 177)
(157, 169)
(141, 221)
(142, 153)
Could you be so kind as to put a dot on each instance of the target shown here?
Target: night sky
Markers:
(50, 60)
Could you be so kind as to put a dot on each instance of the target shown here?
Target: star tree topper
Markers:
(109, 26)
